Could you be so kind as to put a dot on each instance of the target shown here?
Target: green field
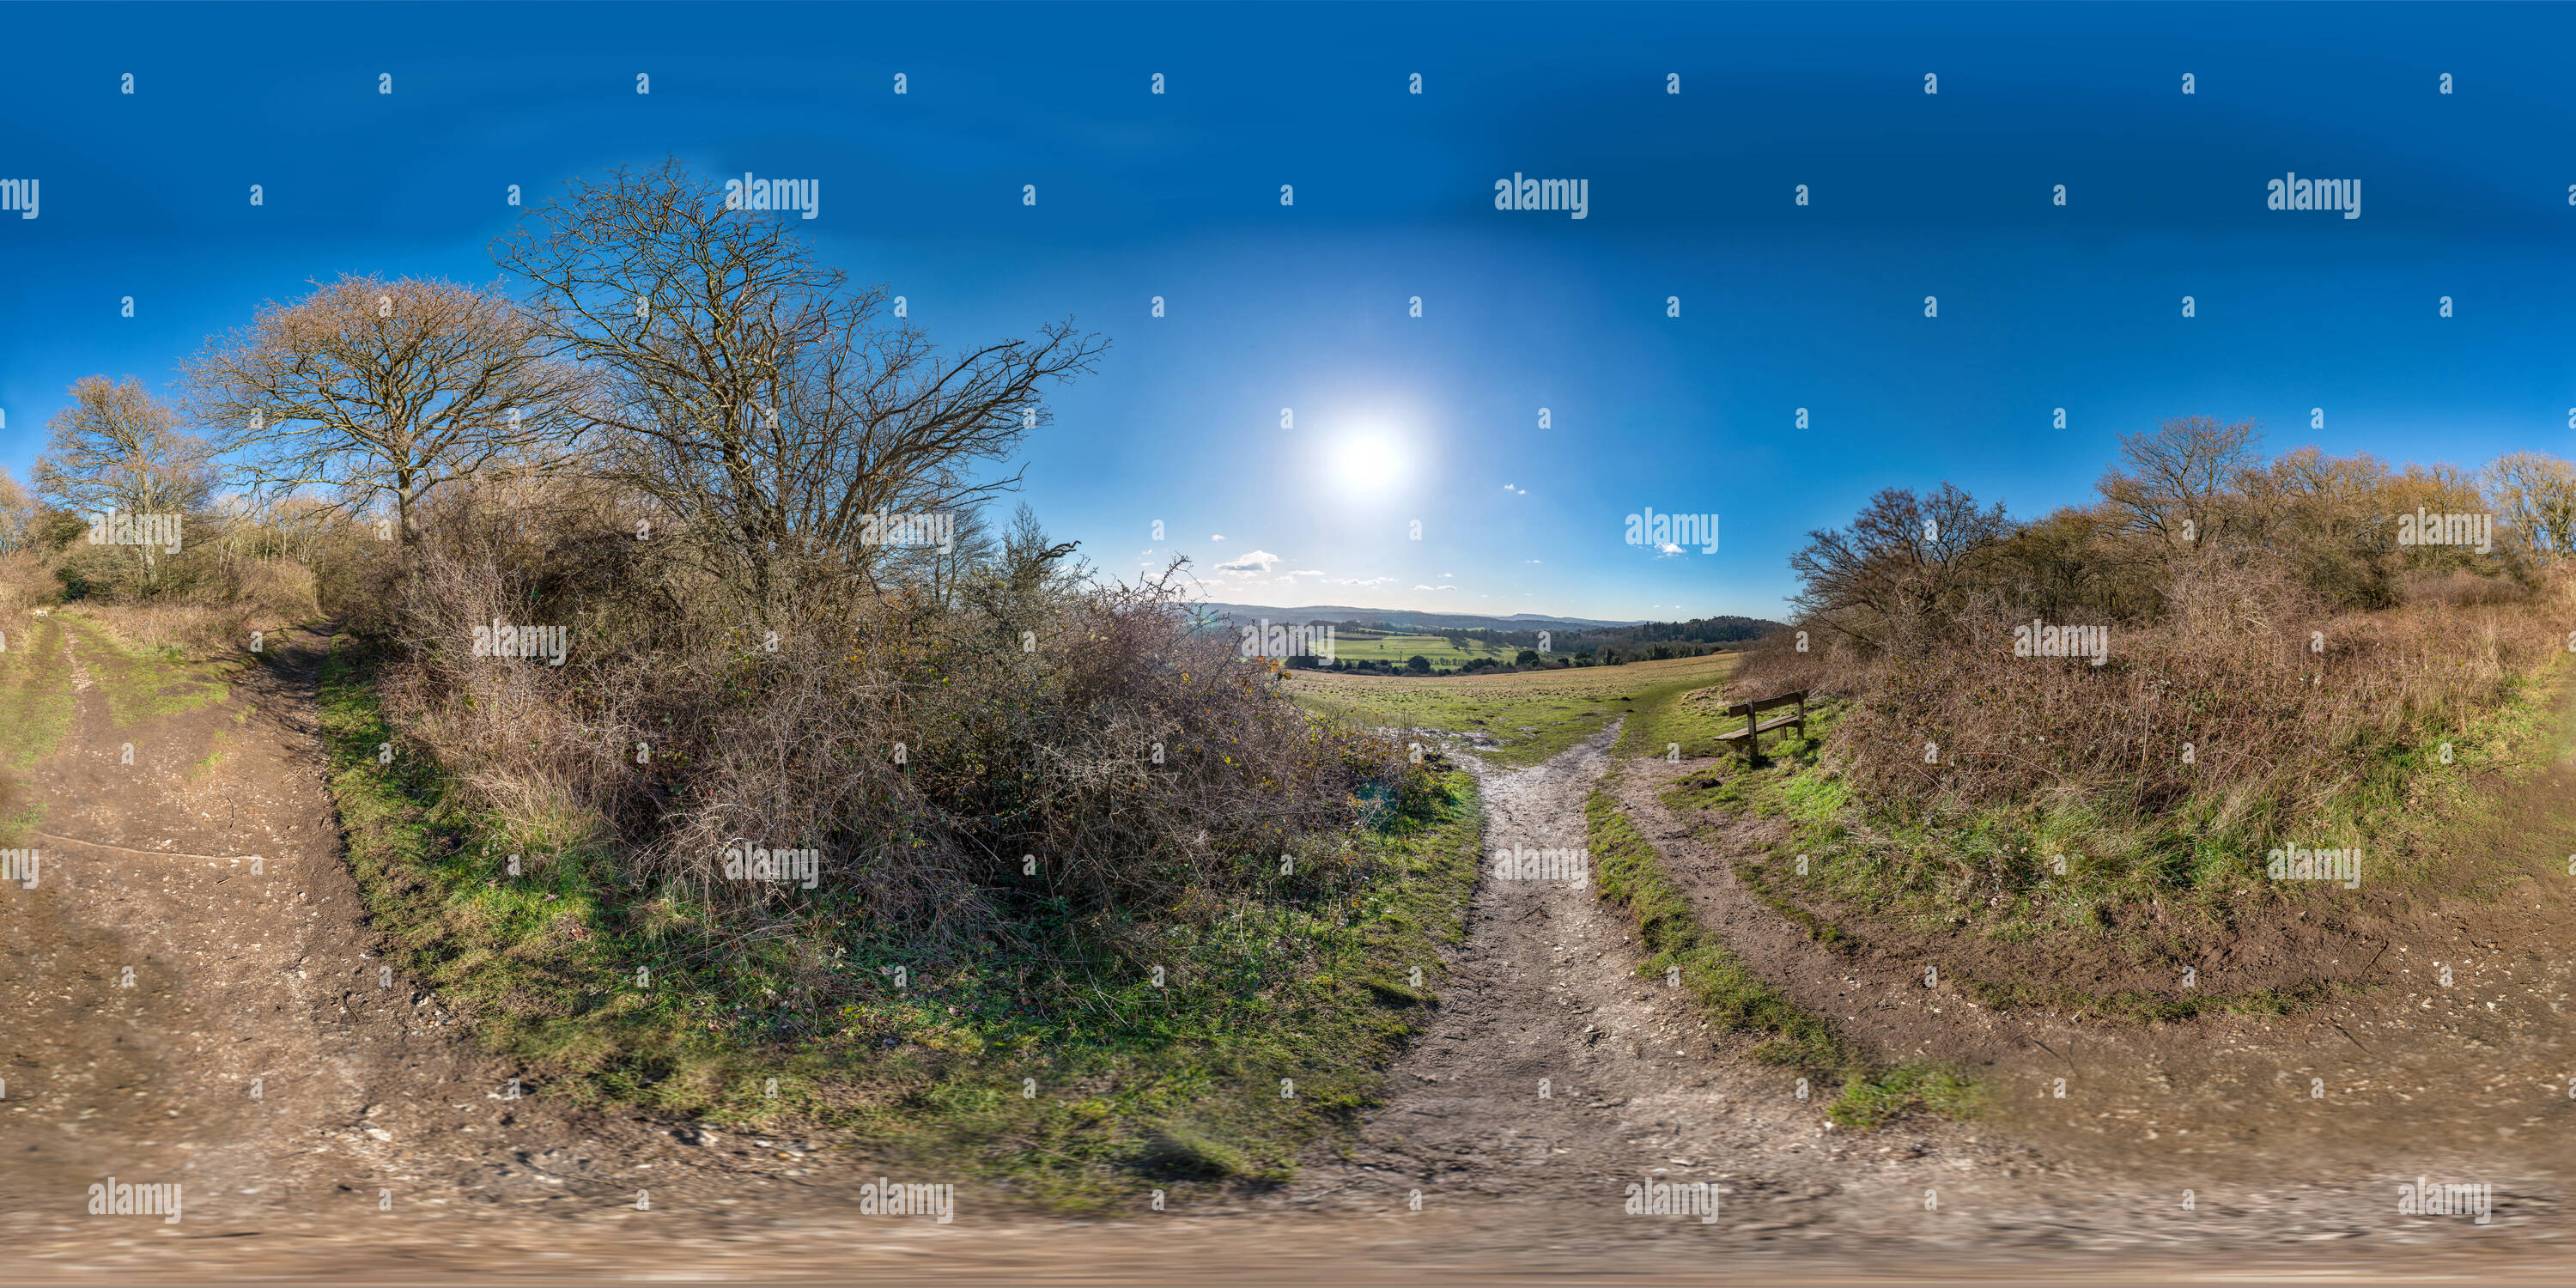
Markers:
(1395, 647)
(1532, 715)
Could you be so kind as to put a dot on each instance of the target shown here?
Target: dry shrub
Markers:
(23, 586)
(2264, 613)
(2457, 588)
(225, 604)
(2277, 728)
(1827, 667)
(928, 747)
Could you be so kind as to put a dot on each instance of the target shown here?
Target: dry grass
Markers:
(2281, 661)
(1041, 744)
(2253, 714)
(262, 596)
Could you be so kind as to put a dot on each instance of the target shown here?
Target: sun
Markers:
(1368, 463)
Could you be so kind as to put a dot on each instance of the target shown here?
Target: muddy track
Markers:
(379, 1147)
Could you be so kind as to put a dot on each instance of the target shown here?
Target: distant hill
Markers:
(1409, 617)
(1698, 630)
(1565, 636)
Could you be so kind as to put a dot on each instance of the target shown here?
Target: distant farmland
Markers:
(1385, 646)
(1531, 715)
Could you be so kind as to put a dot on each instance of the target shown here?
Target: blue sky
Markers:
(1432, 419)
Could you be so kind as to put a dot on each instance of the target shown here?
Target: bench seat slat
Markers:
(1765, 727)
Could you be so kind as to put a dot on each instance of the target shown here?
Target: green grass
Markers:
(1370, 646)
(1878, 1098)
(1736, 1000)
(1529, 715)
(36, 698)
(1128, 1085)
(1997, 872)
(1685, 721)
(142, 684)
(2150, 899)
(2138, 1007)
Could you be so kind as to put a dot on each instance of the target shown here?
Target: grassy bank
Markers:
(1737, 1000)
(2051, 872)
(1208, 1056)
(2057, 872)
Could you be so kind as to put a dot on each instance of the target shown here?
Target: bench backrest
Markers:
(1748, 709)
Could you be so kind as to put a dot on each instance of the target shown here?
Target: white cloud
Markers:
(1667, 550)
(1435, 588)
(1360, 581)
(1252, 561)
(1516, 491)
(1216, 536)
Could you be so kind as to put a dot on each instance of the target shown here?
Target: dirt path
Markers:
(1547, 988)
(198, 1000)
(1636, 1088)
(379, 1147)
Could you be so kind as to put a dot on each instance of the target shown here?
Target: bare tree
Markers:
(17, 515)
(2173, 485)
(967, 547)
(382, 391)
(118, 448)
(765, 404)
(2536, 492)
(1905, 564)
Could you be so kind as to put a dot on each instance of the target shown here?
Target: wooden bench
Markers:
(1755, 726)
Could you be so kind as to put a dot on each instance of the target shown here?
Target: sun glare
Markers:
(1368, 463)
